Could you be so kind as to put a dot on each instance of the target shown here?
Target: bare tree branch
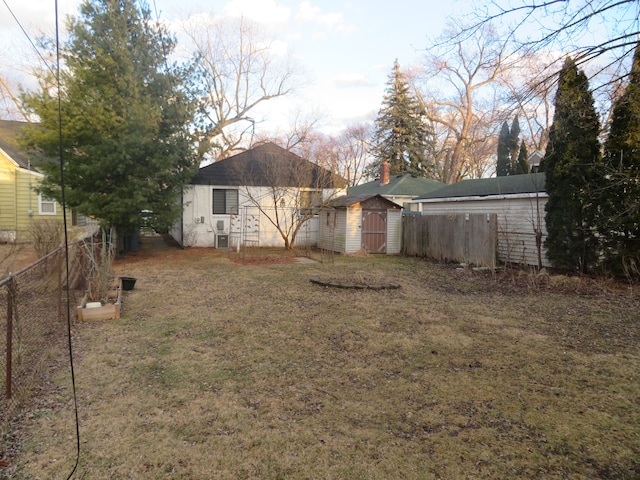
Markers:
(288, 191)
(10, 104)
(567, 27)
(465, 107)
(237, 70)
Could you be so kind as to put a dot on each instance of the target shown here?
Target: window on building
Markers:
(310, 200)
(225, 201)
(46, 206)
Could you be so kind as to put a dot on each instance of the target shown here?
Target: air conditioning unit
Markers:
(222, 241)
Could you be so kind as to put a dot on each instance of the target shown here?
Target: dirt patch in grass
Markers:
(263, 260)
(221, 371)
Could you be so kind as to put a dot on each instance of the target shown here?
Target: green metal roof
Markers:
(484, 187)
(405, 185)
(348, 200)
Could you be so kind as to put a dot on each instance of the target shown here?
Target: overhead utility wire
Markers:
(64, 214)
(66, 245)
(29, 37)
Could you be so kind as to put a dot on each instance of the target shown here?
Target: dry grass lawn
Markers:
(224, 370)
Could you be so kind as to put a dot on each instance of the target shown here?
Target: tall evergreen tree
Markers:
(402, 136)
(508, 149)
(124, 118)
(572, 152)
(522, 164)
(619, 219)
(503, 163)
(514, 144)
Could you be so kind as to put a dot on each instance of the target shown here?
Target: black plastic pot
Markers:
(128, 283)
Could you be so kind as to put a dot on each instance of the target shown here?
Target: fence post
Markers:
(10, 300)
(59, 290)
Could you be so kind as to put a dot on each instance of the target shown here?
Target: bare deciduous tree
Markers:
(459, 90)
(345, 153)
(355, 148)
(10, 105)
(236, 71)
(602, 30)
(300, 133)
(529, 95)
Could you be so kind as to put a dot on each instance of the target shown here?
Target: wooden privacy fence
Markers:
(466, 238)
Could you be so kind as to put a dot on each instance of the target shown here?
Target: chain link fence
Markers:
(34, 331)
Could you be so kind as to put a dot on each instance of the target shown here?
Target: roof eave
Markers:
(503, 196)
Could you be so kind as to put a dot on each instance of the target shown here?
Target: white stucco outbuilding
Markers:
(239, 201)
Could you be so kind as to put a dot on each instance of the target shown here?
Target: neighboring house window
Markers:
(46, 206)
(225, 201)
(310, 199)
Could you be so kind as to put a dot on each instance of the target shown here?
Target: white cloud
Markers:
(350, 80)
(263, 11)
(307, 12)
(34, 14)
(279, 47)
(332, 21)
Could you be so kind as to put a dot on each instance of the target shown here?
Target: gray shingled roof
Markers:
(9, 132)
(483, 187)
(406, 185)
(265, 165)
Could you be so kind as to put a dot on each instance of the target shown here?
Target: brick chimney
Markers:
(385, 173)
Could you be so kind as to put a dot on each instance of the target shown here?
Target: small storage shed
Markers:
(351, 223)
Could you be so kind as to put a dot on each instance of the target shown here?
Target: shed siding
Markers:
(339, 234)
(346, 236)
(327, 229)
(394, 231)
(517, 219)
(353, 229)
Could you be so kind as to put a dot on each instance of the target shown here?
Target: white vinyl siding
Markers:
(332, 225)
(394, 231)
(518, 217)
(353, 228)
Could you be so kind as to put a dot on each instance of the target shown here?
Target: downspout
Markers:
(29, 173)
(182, 219)
(15, 201)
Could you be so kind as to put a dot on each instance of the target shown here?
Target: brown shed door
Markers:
(374, 231)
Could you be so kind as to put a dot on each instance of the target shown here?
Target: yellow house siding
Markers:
(26, 202)
(7, 196)
(19, 200)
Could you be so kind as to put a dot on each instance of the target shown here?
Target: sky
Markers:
(345, 48)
